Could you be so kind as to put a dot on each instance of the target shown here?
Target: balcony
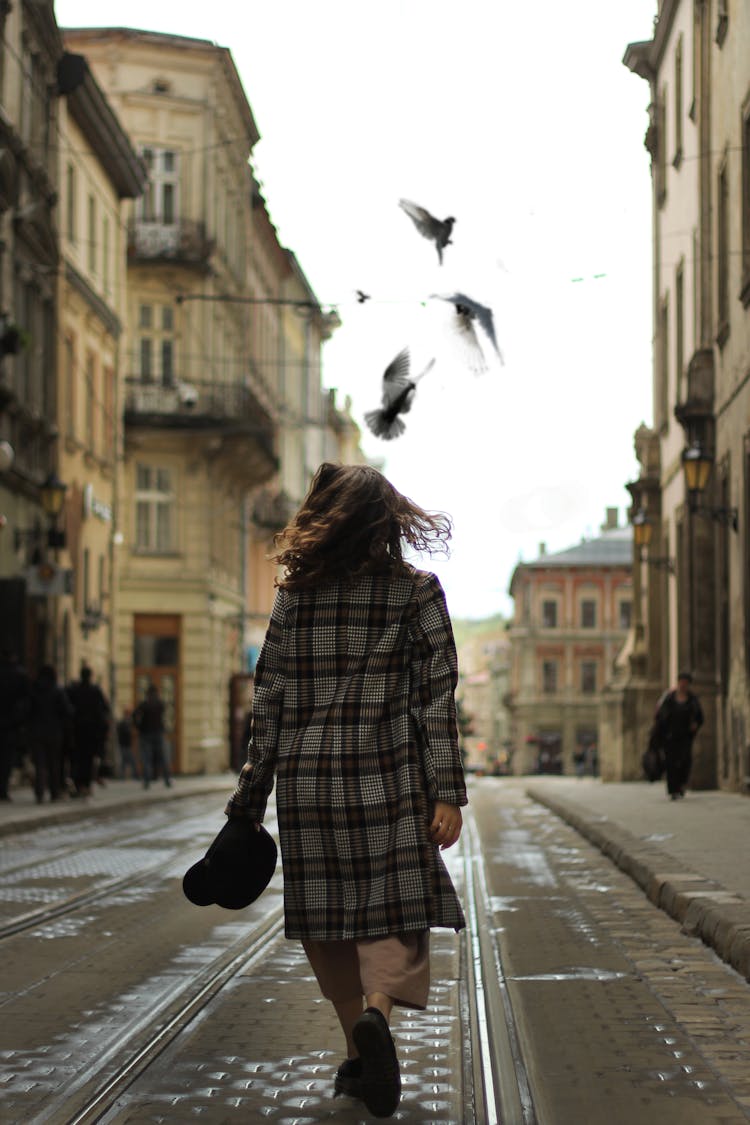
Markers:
(184, 241)
(228, 411)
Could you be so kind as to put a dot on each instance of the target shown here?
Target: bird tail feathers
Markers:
(384, 427)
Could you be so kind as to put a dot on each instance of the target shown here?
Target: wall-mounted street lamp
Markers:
(696, 466)
(643, 530)
(52, 495)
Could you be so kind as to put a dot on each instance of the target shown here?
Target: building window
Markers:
(549, 614)
(160, 201)
(745, 294)
(625, 614)
(679, 330)
(91, 399)
(92, 234)
(722, 21)
(157, 344)
(70, 202)
(549, 677)
(588, 613)
(105, 254)
(70, 386)
(722, 256)
(155, 510)
(661, 148)
(108, 428)
(662, 401)
(677, 158)
(588, 677)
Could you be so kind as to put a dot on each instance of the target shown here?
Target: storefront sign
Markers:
(94, 507)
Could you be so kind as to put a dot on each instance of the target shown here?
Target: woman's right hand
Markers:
(446, 825)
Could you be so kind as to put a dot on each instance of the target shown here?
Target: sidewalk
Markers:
(22, 813)
(690, 857)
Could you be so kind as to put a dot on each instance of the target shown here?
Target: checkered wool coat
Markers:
(354, 711)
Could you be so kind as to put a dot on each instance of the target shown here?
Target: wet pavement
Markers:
(689, 857)
(620, 1016)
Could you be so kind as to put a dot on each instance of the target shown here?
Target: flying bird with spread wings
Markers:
(465, 312)
(436, 230)
(399, 388)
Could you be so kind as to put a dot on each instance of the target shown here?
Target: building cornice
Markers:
(100, 308)
(95, 118)
(645, 56)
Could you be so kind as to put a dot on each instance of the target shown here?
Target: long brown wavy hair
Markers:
(354, 522)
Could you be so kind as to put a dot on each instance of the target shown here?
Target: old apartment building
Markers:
(691, 502)
(223, 408)
(572, 613)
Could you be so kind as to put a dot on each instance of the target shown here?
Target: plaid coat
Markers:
(354, 712)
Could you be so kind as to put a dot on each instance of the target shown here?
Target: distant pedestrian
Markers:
(149, 722)
(90, 725)
(354, 709)
(679, 717)
(50, 710)
(15, 687)
(127, 762)
(579, 760)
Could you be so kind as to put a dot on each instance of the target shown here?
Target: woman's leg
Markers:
(349, 1012)
(336, 967)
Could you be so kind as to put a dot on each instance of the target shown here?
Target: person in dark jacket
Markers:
(679, 717)
(90, 726)
(124, 730)
(149, 722)
(354, 713)
(15, 687)
(49, 712)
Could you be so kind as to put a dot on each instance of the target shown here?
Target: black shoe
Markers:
(349, 1079)
(381, 1079)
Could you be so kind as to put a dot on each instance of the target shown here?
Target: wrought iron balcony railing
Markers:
(182, 241)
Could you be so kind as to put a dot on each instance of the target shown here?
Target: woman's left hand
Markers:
(446, 825)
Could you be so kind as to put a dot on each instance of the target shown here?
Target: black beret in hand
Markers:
(235, 870)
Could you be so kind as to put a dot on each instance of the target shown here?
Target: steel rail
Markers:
(48, 913)
(502, 1092)
(177, 1012)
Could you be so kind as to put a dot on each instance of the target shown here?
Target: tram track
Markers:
(498, 1078)
(496, 1089)
(86, 1101)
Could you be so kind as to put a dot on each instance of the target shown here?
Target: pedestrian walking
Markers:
(90, 725)
(149, 722)
(354, 713)
(679, 717)
(15, 687)
(49, 712)
(124, 731)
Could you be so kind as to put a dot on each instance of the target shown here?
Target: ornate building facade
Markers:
(572, 614)
(694, 496)
(223, 407)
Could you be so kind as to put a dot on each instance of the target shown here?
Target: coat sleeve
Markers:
(434, 676)
(256, 778)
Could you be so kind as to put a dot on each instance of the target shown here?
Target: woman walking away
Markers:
(354, 713)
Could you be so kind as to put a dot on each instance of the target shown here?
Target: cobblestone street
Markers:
(138, 1007)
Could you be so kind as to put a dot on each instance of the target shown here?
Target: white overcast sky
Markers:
(521, 121)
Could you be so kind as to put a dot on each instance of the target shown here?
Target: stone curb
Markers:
(73, 811)
(702, 906)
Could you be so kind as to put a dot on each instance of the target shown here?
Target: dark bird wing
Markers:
(425, 223)
(467, 310)
(398, 394)
(396, 377)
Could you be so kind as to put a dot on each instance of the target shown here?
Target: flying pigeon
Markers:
(361, 296)
(436, 230)
(466, 311)
(398, 395)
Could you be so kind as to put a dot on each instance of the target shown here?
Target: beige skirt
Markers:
(397, 965)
